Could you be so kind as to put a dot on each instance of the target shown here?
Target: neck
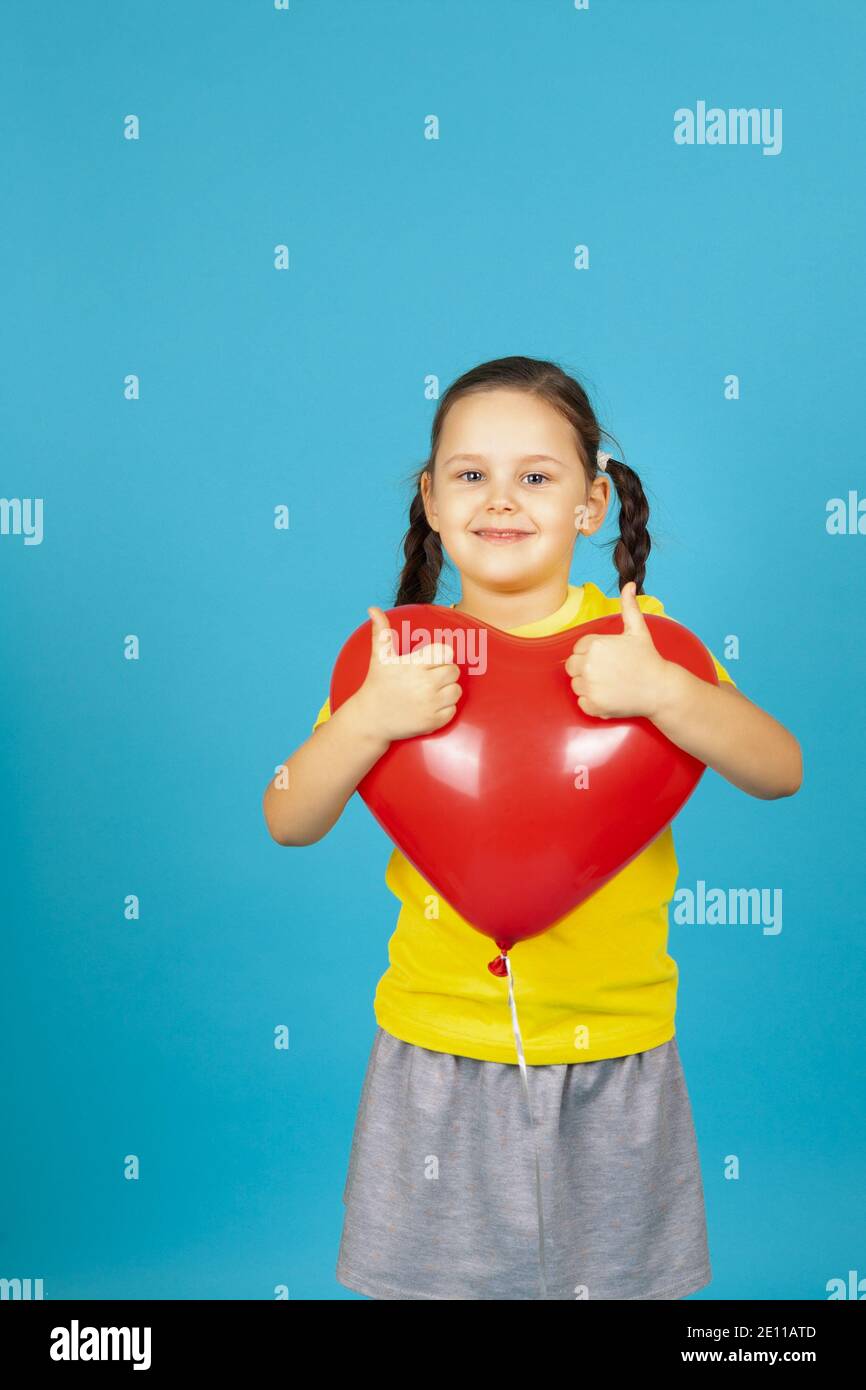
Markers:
(504, 609)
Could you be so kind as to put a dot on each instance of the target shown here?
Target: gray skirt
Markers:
(441, 1198)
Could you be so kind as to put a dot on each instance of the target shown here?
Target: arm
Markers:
(622, 675)
(415, 693)
(724, 729)
(321, 776)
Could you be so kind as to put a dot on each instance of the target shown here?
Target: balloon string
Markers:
(522, 1063)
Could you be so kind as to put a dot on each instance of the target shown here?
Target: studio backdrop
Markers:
(246, 246)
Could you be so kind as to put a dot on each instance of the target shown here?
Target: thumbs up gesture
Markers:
(411, 694)
(619, 675)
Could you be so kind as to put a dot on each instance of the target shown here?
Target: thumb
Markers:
(381, 636)
(633, 620)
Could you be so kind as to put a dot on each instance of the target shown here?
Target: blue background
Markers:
(409, 257)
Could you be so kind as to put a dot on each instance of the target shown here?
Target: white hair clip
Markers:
(603, 460)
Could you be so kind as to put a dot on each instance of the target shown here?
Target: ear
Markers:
(426, 489)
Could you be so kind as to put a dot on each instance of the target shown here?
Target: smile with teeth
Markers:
(502, 535)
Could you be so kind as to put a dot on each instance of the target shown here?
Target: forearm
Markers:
(724, 729)
(309, 791)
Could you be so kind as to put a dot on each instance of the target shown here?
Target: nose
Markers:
(501, 504)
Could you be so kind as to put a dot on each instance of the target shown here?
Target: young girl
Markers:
(441, 1192)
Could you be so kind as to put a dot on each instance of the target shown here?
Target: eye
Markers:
(477, 473)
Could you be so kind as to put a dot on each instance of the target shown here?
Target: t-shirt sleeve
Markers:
(648, 603)
(324, 713)
(721, 672)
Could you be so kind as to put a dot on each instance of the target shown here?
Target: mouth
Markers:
(502, 536)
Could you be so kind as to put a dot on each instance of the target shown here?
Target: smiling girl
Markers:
(441, 1199)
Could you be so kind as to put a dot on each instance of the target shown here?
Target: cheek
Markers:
(455, 517)
(456, 504)
(561, 520)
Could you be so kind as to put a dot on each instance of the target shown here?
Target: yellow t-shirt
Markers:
(598, 984)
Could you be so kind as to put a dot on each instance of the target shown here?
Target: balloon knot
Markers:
(498, 966)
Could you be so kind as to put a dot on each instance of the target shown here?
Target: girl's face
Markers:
(508, 461)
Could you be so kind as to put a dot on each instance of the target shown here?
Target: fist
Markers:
(619, 675)
(407, 695)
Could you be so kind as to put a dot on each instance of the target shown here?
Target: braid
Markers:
(422, 547)
(634, 544)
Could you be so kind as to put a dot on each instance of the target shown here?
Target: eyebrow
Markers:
(479, 458)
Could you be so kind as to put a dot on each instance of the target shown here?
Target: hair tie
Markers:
(603, 460)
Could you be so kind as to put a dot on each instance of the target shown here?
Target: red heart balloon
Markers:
(523, 805)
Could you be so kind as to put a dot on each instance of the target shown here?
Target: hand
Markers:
(620, 675)
(407, 695)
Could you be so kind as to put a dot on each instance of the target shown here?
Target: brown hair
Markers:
(422, 547)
